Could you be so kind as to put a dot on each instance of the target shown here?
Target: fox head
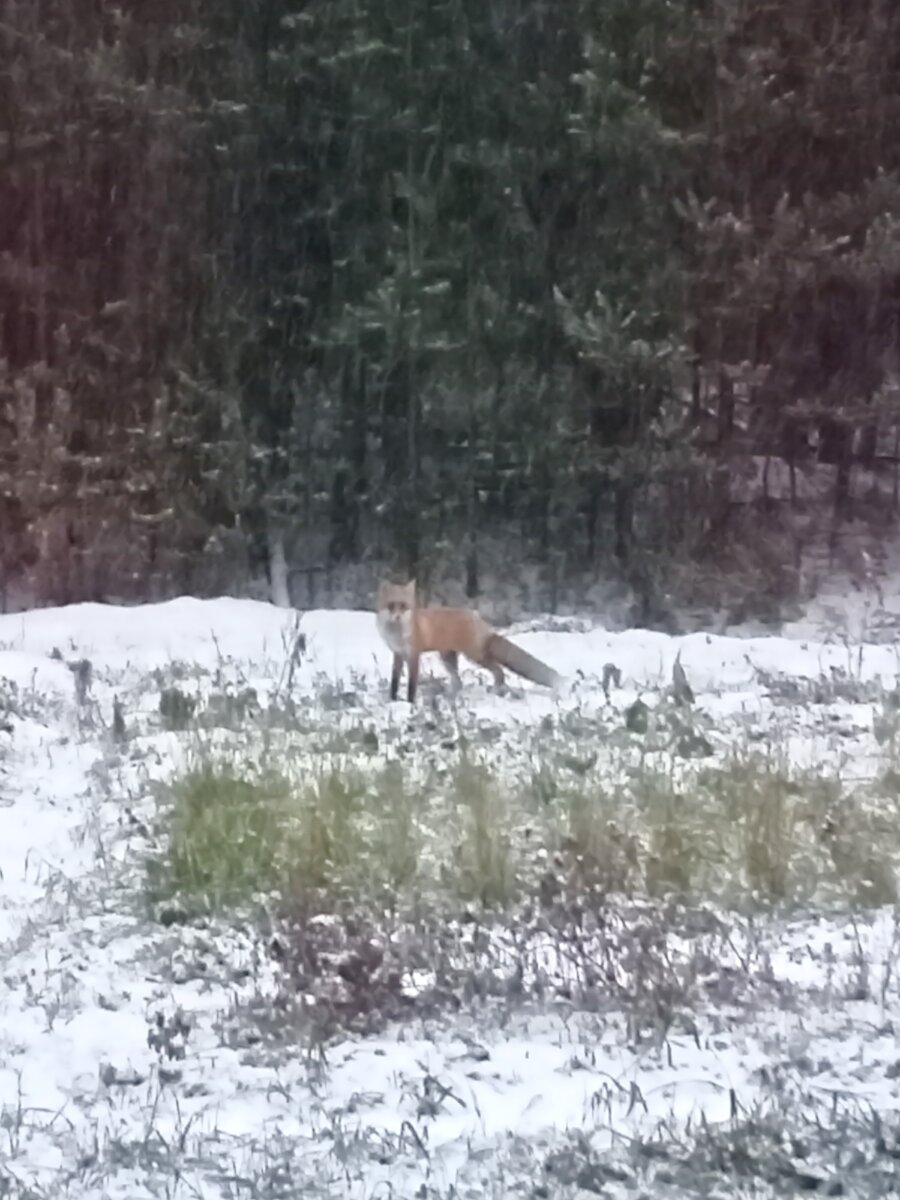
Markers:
(396, 602)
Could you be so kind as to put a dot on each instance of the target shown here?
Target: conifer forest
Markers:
(559, 290)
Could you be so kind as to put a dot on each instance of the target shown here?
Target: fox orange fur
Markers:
(410, 632)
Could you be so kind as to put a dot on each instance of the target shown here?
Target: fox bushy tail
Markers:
(514, 658)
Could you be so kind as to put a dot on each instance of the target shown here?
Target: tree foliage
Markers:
(407, 284)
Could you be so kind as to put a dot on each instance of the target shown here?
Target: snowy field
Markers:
(128, 1066)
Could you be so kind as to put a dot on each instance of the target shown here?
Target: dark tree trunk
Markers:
(623, 517)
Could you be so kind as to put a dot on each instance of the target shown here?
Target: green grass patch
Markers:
(754, 831)
(484, 865)
(231, 833)
(226, 838)
(746, 832)
(345, 835)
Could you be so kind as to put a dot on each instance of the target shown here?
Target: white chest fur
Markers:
(396, 632)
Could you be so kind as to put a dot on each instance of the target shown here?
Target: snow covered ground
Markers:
(126, 1071)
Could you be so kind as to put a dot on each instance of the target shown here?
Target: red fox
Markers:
(411, 631)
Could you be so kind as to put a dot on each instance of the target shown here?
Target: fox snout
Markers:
(396, 626)
(398, 621)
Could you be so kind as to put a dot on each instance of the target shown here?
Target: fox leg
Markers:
(396, 672)
(413, 668)
(495, 669)
(451, 662)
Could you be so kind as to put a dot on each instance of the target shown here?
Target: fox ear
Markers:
(411, 588)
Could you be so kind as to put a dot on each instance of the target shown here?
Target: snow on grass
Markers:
(131, 1063)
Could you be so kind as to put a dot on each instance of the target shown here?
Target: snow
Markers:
(85, 975)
